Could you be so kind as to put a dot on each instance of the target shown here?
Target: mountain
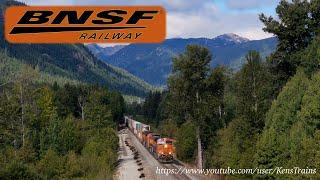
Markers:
(230, 38)
(66, 63)
(152, 62)
(104, 51)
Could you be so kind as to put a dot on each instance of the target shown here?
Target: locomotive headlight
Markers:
(170, 153)
(166, 146)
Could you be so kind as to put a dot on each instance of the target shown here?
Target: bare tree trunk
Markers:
(254, 93)
(82, 112)
(22, 115)
(81, 102)
(200, 164)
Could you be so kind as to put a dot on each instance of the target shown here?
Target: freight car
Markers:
(161, 148)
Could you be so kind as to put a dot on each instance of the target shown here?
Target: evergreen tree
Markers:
(187, 88)
(253, 91)
(97, 111)
(304, 148)
(272, 147)
(117, 106)
(298, 24)
(186, 142)
(236, 142)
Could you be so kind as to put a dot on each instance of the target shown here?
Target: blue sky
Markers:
(198, 18)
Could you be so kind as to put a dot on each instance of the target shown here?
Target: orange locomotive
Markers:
(152, 141)
(165, 149)
(161, 148)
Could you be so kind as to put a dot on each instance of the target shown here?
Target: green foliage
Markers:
(51, 165)
(73, 166)
(297, 26)
(186, 142)
(310, 57)
(151, 105)
(283, 111)
(47, 110)
(310, 112)
(187, 84)
(70, 136)
(235, 145)
(304, 134)
(99, 154)
(52, 142)
(195, 93)
(117, 105)
(294, 28)
(292, 138)
(168, 128)
(253, 91)
(65, 63)
(61, 136)
(97, 111)
(17, 170)
(249, 93)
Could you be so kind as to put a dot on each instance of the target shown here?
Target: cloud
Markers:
(194, 18)
(211, 22)
(249, 4)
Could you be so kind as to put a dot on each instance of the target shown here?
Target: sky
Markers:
(198, 18)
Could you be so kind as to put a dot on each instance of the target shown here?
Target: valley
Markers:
(153, 62)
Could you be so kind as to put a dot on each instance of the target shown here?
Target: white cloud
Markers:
(192, 18)
(249, 4)
(212, 22)
(254, 33)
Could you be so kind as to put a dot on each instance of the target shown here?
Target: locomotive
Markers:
(161, 148)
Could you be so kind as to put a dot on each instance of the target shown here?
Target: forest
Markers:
(57, 132)
(265, 115)
(68, 63)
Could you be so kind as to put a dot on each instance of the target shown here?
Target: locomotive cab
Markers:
(152, 141)
(165, 150)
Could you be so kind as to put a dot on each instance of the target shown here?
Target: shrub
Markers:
(186, 144)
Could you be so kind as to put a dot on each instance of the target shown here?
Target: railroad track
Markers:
(180, 174)
(155, 163)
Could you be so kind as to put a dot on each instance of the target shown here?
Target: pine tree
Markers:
(298, 24)
(272, 147)
(187, 88)
(97, 111)
(253, 91)
(236, 142)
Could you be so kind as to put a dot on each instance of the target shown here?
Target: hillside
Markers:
(152, 62)
(74, 63)
(104, 52)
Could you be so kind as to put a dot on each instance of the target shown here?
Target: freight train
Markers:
(161, 148)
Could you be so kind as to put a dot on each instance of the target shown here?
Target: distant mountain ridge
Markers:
(153, 62)
(104, 52)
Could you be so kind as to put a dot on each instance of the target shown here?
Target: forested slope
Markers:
(72, 62)
(265, 116)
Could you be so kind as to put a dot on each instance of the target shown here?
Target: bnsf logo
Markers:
(85, 24)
